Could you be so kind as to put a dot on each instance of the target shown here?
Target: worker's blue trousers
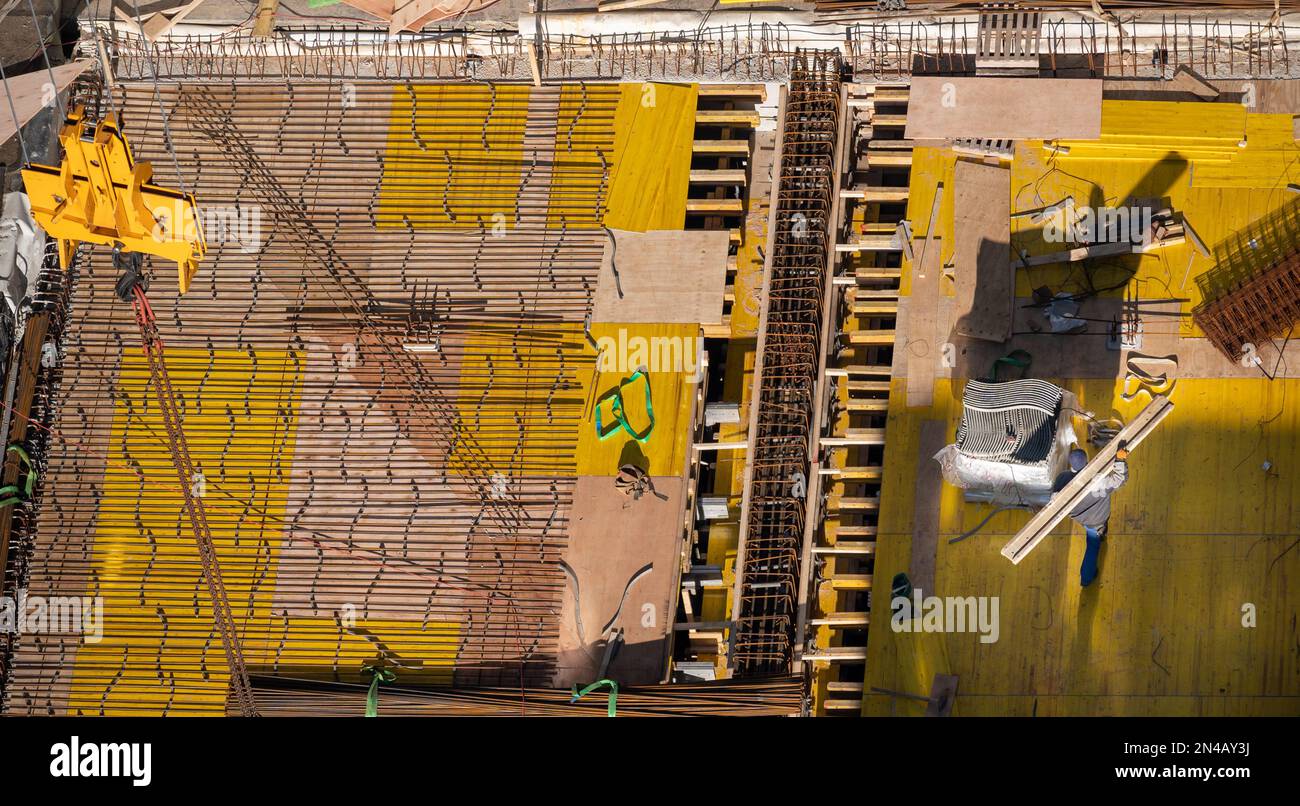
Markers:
(1088, 571)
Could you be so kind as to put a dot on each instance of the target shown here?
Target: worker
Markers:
(1093, 512)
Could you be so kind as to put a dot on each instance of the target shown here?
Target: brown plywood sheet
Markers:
(612, 540)
(667, 276)
(946, 107)
(925, 520)
(982, 250)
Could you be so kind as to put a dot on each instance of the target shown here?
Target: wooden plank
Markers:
(850, 547)
(851, 582)
(882, 193)
(726, 117)
(922, 323)
(925, 509)
(758, 91)
(948, 107)
(843, 620)
(871, 338)
(720, 147)
(717, 177)
(982, 251)
(714, 206)
(29, 94)
(265, 18)
(1067, 499)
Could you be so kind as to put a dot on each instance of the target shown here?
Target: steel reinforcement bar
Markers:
(790, 348)
(1264, 307)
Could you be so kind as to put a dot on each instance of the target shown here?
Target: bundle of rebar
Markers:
(1264, 307)
(384, 410)
(760, 696)
(790, 347)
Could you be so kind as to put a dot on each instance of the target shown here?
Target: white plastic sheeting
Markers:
(1013, 483)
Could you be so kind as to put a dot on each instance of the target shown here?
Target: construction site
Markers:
(650, 358)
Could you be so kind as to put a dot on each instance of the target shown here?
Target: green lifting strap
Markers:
(372, 696)
(13, 493)
(620, 415)
(613, 694)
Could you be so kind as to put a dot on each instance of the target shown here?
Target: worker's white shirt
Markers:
(1094, 509)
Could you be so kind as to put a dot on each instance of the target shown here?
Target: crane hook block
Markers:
(101, 195)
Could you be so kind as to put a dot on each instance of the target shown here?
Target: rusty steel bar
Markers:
(786, 387)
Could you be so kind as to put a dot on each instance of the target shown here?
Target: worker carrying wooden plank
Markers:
(1093, 511)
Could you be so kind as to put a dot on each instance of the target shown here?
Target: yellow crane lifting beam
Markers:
(101, 195)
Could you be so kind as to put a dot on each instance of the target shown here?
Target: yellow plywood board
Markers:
(1269, 160)
(1039, 179)
(668, 351)
(454, 156)
(1200, 530)
(654, 129)
(1166, 122)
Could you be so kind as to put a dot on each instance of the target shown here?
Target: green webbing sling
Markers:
(616, 407)
(613, 694)
(372, 696)
(13, 493)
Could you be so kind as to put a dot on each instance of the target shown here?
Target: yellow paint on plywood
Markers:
(669, 352)
(932, 173)
(1214, 213)
(653, 133)
(454, 156)
(317, 648)
(1200, 529)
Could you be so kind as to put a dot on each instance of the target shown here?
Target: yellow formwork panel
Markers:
(1173, 123)
(454, 156)
(1214, 213)
(157, 615)
(1269, 159)
(157, 647)
(931, 167)
(584, 155)
(518, 430)
(653, 133)
(670, 353)
(1200, 531)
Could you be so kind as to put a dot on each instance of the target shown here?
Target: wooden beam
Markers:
(265, 18)
(758, 91)
(728, 117)
(720, 147)
(1067, 499)
(715, 206)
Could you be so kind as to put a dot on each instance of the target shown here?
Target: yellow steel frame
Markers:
(100, 195)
